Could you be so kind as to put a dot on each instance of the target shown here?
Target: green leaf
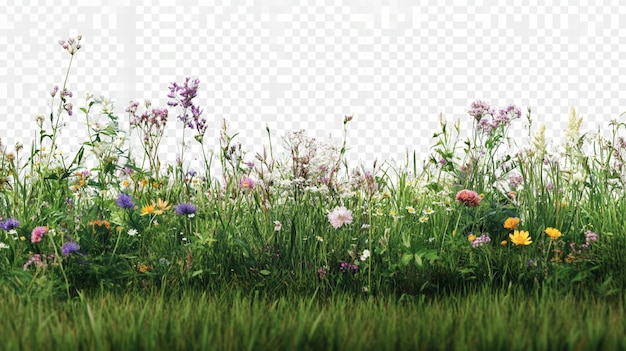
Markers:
(406, 258)
(265, 272)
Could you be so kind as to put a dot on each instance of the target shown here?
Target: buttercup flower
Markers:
(340, 216)
(468, 197)
(511, 223)
(520, 237)
(553, 233)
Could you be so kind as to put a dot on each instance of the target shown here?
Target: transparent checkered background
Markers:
(292, 65)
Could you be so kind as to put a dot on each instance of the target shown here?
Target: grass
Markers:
(486, 319)
(489, 244)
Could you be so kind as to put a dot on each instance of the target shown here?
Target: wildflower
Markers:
(72, 45)
(468, 197)
(553, 233)
(277, 226)
(591, 236)
(186, 208)
(162, 206)
(36, 259)
(428, 211)
(132, 232)
(481, 240)
(569, 258)
(69, 247)
(511, 223)
(340, 216)
(319, 238)
(503, 242)
(9, 224)
(471, 238)
(410, 209)
(365, 255)
(38, 233)
(143, 268)
(423, 219)
(480, 108)
(147, 209)
(321, 272)
(125, 201)
(520, 237)
(246, 183)
(3, 246)
(124, 183)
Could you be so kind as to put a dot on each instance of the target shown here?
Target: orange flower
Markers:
(511, 223)
(471, 238)
(147, 209)
(553, 233)
(503, 242)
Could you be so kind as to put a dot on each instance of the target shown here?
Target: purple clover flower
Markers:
(9, 224)
(186, 208)
(125, 201)
(69, 247)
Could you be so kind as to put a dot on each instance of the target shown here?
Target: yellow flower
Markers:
(144, 182)
(162, 206)
(143, 268)
(471, 238)
(147, 209)
(520, 237)
(552, 232)
(511, 223)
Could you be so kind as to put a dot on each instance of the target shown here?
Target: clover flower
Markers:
(340, 216)
(9, 224)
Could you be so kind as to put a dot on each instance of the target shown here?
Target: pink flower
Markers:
(340, 216)
(38, 233)
(246, 183)
(468, 197)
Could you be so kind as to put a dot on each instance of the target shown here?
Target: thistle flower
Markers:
(125, 201)
(69, 247)
(340, 216)
(186, 208)
(9, 224)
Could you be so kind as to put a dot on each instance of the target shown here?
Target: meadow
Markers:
(493, 242)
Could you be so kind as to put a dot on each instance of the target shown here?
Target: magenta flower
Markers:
(340, 216)
(246, 183)
(38, 233)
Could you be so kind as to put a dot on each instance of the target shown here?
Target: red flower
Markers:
(468, 197)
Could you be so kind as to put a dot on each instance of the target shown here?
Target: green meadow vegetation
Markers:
(495, 241)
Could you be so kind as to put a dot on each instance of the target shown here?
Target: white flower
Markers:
(4, 246)
(132, 232)
(365, 254)
(277, 226)
(340, 216)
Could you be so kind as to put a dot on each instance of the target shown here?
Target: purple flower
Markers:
(246, 183)
(9, 223)
(125, 201)
(185, 208)
(183, 95)
(481, 240)
(69, 247)
(479, 108)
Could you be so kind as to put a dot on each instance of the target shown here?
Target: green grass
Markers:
(230, 320)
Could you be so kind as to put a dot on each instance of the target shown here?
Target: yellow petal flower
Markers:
(511, 223)
(520, 237)
(553, 233)
(147, 209)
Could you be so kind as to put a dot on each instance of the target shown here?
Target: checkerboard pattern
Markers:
(291, 65)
